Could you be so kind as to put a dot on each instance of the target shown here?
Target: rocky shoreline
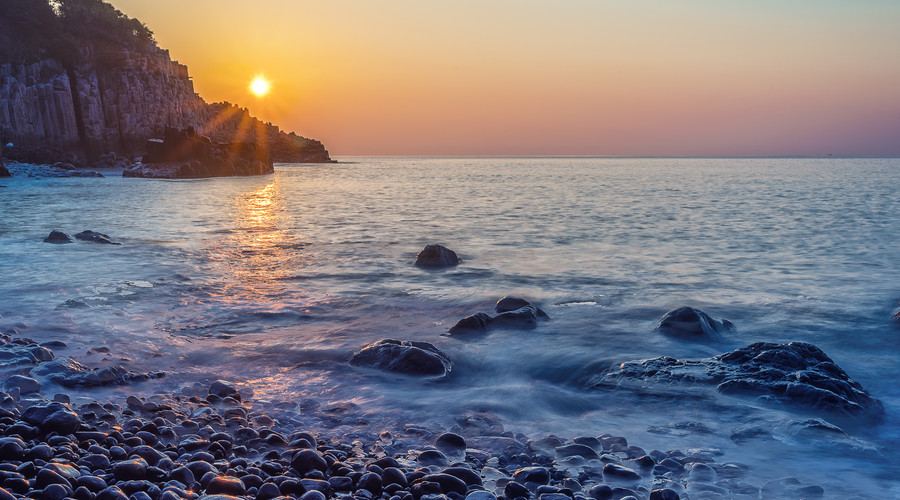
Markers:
(217, 441)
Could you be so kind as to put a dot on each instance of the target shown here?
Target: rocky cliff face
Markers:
(113, 103)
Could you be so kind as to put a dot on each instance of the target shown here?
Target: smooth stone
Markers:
(112, 493)
(127, 470)
(664, 494)
(56, 492)
(448, 483)
(436, 256)
(432, 457)
(58, 237)
(514, 490)
(306, 460)
(313, 495)
(224, 389)
(580, 450)
(226, 485)
(692, 323)
(537, 475)
(52, 417)
(476, 322)
(371, 482)
(702, 473)
(407, 357)
(26, 385)
(95, 237)
(466, 475)
(449, 443)
(481, 495)
(511, 304)
(393, 475)
(619, 472)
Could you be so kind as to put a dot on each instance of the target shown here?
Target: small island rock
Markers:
(95, 237)
(692, 323)
(437, 256)
(58, 237)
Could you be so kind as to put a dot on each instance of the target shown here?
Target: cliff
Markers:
(81, 102)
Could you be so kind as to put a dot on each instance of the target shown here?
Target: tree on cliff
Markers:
(31, 30)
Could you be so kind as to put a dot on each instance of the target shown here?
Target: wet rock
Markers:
(95, 237)
(511, 304)
(432, 457)
(510, 312)
(58, 237)
(371, 482)
(407, 357)
(795, 374)
(52, 417)
(692, 323)
(537, 475)
(476, 322)
(224, 389)
(437, 256)
(613, 472)
(450, 444)
(71, 373)
(308, 460)
(226, 485)
(184, 154)
(580, 450)
(127, 470)
(26, 385)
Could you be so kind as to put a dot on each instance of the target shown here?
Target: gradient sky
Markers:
(568, 77)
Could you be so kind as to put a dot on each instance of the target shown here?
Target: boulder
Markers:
(95, 237)
(692, 323)
(475, 322)
(407, 357)
(511, 311)
(52, 416)
(58, 237)
(436, 256)
(185, 154)
(795, 374)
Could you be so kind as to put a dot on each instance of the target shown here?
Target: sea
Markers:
(273, 282)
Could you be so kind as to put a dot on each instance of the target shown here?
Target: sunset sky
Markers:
(565, 77)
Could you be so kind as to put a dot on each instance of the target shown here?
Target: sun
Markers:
(260, 86)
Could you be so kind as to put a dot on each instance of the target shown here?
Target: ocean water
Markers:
(273, 282)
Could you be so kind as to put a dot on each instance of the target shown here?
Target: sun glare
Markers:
(260, 86)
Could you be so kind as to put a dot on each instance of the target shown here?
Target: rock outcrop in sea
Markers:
(436, 256)
(184, 154)
(795, 375)
(83, 83)
(511, 312)
(692, 323)
(408, 357)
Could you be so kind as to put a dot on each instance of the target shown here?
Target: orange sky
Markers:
(529, 77)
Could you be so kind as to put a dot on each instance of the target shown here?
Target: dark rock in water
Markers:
(308, 460)
(406, 357)
(436, 256)
(510, 304)
(25, 384)
(450, 443)
(58, 237)
(71, 373)
(95, 237)
(511, 312)
(692, 323)
(538, 475)
(797, 374)
(184, 154)
(619, 472)
(664, 494)
(475, 322)
(52, 417)
(224, 389)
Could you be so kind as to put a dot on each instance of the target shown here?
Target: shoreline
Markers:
(219, 441)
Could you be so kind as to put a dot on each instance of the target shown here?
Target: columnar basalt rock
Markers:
(50, 113)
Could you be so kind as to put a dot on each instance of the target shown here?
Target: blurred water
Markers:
(276, 280)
